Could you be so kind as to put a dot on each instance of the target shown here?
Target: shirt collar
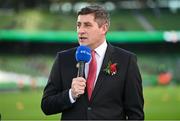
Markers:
(100, 50)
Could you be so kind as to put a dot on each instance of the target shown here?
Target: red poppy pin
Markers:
(111, 68)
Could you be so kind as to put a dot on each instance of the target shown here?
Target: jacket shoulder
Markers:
(68, 52)
(123, 52)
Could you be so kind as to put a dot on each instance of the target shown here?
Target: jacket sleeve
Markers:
(55, 99)
(133, 96)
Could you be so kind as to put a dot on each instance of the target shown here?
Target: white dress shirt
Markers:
(100, 53)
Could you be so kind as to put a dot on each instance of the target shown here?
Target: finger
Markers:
(81, 92)
(82, 84)
(81, 88)
(81, 79)
(79, 83)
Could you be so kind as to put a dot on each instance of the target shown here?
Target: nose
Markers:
(80, 30)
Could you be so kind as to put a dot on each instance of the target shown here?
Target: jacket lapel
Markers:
(101, 75)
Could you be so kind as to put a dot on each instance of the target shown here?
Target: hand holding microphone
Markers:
(78, 87)
(83, 55)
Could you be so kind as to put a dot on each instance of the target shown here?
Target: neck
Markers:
(98, 44)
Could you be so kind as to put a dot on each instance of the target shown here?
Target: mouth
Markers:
(81, 39)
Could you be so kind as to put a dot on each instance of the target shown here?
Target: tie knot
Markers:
(93, 53)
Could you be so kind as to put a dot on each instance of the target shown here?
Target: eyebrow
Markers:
(83, 22)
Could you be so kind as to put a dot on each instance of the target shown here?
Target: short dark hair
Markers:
(101, 15)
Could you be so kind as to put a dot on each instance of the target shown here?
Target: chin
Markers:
(83, 43)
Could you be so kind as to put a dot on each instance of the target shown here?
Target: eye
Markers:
(88, 25)
(78, 25)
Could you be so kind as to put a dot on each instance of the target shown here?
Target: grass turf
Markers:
(161, 102)
(22, 105)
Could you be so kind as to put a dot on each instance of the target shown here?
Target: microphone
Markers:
(83, 55)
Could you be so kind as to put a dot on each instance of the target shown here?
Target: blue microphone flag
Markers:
(83, 53)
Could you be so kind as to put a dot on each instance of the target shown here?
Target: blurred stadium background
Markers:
(32, 31)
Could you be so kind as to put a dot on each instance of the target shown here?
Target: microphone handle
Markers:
(81, 69)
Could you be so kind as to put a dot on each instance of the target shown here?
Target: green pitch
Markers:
(22, 105)
(160, 103)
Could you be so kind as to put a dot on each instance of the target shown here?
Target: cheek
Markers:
(94, 34)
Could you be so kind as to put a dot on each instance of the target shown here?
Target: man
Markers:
(116, 92)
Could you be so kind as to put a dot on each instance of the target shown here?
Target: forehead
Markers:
(86, 18)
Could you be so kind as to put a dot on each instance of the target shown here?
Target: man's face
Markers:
(89, 33)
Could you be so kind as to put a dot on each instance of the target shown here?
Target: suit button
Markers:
(89, 108)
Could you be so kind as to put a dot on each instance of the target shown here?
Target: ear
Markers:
(104, 28)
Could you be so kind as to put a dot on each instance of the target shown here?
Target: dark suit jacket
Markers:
(114, 97)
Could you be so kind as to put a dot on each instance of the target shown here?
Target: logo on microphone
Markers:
(85, 52)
